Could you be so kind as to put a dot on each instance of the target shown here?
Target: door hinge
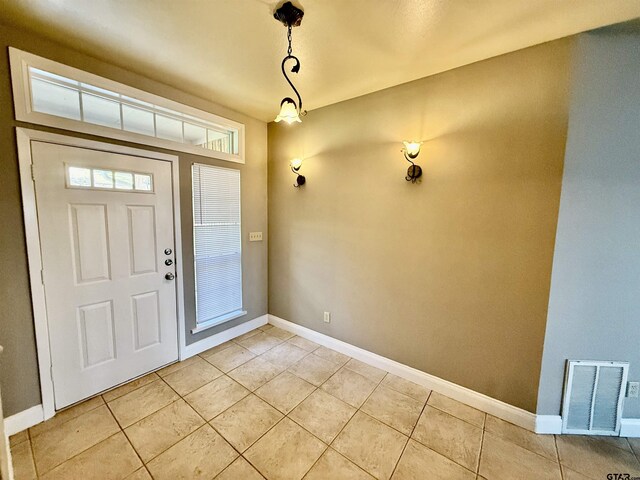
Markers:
(33, 175)
(42, 276)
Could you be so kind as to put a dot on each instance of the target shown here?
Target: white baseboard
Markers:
(477, 400)
(630, 427)
(23, 420)
(549, 424)
(225, 336)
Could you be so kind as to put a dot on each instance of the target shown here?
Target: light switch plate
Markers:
(255, 236)
(633, 390)
(327, 317)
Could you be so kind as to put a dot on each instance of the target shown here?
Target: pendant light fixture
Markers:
(290, 16)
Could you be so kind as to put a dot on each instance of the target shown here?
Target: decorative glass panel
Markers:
(79, 177)
(124, 180)
(103, 178)
(143, 182)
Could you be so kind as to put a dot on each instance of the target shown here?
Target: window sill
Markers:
(218, 321)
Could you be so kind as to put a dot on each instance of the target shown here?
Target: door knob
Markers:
(169, 276)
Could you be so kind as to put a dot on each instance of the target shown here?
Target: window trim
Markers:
(201, 326)
(21, 61)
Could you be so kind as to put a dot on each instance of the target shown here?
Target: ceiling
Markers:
(229, 51)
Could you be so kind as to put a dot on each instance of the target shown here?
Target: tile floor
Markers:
(272, 405)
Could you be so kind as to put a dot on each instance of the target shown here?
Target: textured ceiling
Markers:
(229, 51)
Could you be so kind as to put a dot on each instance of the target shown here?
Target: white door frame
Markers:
(24, 137)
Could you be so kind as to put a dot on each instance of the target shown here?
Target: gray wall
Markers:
(451, 275)
(18, 365)
(594, 305)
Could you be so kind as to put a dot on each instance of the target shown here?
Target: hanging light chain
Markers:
(289, 50)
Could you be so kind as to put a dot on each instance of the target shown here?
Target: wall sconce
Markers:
(295, 164)
(411, 151)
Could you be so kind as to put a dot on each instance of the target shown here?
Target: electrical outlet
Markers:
(255, 236)
(327, 317)
(633, 389)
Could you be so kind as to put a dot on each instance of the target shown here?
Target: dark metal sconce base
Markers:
(300, 181)
(414, 172)
(289, 15)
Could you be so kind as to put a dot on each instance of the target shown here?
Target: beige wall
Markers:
(450, 276)
(18, 365)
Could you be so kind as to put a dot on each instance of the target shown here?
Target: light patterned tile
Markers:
(544, 445)
(449, 436)
(66, 415)
(287, 451)
(314, 369)
(111, 459)
(55, 446)
(323, 415)
(332, 465)
(139, 403)
(349, 386)
(260, 343)
(246, 421)
(255, 373)
(190, 378)
(19, 438)
(413, 390)
(216, 349)
(595, 457)
(285, 391)
(371, 445)
(129, 387)
(201, 455)
(280, 333)
(23, 466)
(266, 327)
(372, 373)
(215, 397)
(303, 343)
(635, 445)
(331, 355)
(417, 460)
(502, 459)
(230, 358)
(162, 429)
(240, 469)
(457, 409)
(393, 408)
(247, 335)
(568, 474)
(140, 474)
(284, 355)
(174, 367)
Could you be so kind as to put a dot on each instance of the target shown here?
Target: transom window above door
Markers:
(53, 94)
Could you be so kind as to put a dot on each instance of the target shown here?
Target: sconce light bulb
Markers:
(296, 163)
(412, 148)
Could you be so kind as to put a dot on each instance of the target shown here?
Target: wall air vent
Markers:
(593, 397)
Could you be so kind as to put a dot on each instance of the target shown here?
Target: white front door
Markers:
(107, 239)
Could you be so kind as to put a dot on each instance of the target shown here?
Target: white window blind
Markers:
(217, 244)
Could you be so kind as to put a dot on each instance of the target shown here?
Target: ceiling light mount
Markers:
(290, 16)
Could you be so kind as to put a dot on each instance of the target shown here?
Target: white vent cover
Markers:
(593, 397)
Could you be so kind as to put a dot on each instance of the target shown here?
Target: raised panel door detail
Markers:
(90, 240)
(146, 319)
(142, 238)
(96, 333)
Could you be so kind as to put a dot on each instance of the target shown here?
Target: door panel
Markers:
(111, 312)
